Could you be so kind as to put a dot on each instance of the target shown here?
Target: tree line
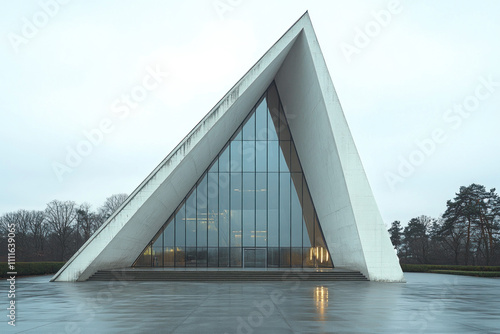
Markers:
(56, 233)
(468, 233)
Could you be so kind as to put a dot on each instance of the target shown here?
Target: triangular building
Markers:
(270, 178)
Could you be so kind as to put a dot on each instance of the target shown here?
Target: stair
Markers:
(224, 276)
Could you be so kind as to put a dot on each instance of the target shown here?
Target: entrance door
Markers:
(254, 258)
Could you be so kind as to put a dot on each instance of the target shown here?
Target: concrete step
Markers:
(211, 276)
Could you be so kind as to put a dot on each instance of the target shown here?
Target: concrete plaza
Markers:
(427, 303)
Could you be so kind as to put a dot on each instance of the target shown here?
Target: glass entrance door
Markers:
(254, 258)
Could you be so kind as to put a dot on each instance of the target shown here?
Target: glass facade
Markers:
(251, 208)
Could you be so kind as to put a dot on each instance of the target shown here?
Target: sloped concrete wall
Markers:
(349, 216)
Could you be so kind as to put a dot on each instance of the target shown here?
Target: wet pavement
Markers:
(427, 303)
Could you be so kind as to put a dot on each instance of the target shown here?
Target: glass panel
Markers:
(224, 160)
(260, 257)
(191, 219)
(285, 156)
(273, 113)
(284, 132)
(213, 257)
(308, 218)
(261, 121)
(248, 209)
(144, 259)
(191, 257)
(168, 234)
(308, 257)
(273, 257)
(294, 159)
(235, 221)
(272, 210)
(318, 236)
(236, 156)
(223, 257)
(261, 209)
(296, 257)
(254, 257)
(213, 209)
(215, 167)
(285, 257)
(273, 154)
(261, 156)
(157, 257)
(296, 215)
(249, 128)
(224, 209)
(238, 134)
(158, 251)
(201, 257)
(201, 212)
(324, 260)
(249, 156)
(249, 258)
(236, 260)
(168, 257)
(284, 210)
(180, 226)
(180, 257)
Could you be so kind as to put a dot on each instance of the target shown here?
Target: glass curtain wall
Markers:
(251, 208)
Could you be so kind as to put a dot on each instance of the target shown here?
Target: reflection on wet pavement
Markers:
(427, 303)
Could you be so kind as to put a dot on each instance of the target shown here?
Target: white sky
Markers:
(64, 77)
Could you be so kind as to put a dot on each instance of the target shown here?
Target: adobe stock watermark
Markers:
(363, 37)
(453, 119)
(222, 7)
(30, 27)
(121, 108)
(11, 274)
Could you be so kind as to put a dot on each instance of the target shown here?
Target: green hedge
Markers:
(426, 268)
(32, 268)
(468, 273)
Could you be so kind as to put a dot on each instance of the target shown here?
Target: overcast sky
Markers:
(419, 83)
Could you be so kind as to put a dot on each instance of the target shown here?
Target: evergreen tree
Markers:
(396, 234)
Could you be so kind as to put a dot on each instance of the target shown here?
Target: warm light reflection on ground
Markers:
(321, 301)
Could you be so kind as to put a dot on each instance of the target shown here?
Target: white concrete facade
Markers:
(352, 225)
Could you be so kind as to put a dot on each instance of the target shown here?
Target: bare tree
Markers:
(37, 233)
(61, 217)
(21, 220)
(87, 221)
(111, 204)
